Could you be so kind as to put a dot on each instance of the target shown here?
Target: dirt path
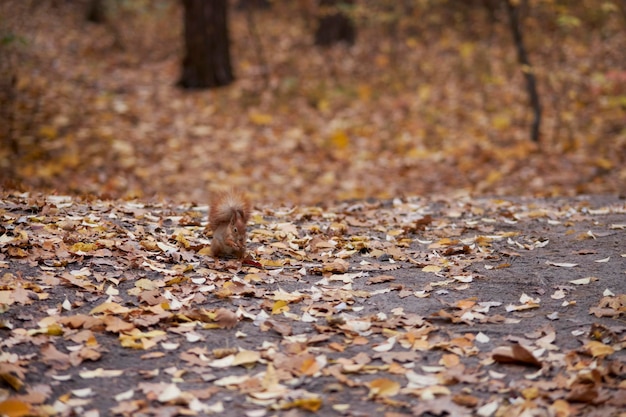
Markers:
(443, 306)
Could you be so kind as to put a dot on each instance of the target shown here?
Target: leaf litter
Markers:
(333, 317)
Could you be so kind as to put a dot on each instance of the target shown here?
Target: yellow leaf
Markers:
(276, 263)
(83, 247)
(128, 342)
(309, 404)
(443, 242)
(12, 380)
(424, 92)
(261, 119)
(323, 105)
(493, 177)
(54, 330)
(150, 245)
(501, 122)
(205, 251)
(48, 132)
(530, 393)
(138, 340)
(598, 349)
(280, 306)
(466, 49)
(182, 240)
(339, 139)
(176, 280)
(604, 164)
(365, 92)
(431, 268)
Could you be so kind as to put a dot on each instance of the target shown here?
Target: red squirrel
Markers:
(228, 216)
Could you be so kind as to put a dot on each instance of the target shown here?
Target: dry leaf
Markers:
(225, 319)
(515, 354)
(383, 387)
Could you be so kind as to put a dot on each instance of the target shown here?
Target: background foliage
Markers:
(429, 99)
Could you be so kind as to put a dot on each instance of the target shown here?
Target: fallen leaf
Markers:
(383, 387)
(561, 264)
(14, 408)
(514, 354)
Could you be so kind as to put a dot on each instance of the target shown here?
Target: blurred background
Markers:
(320, 100)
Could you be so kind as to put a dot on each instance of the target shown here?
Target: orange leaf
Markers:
(383, 387)
(14, 408)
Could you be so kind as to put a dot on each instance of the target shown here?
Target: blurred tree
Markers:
(10, 56)
(96, 12)
(527, 69)
(207, 55)
(253, 4)
(334, 25)
(256, 39)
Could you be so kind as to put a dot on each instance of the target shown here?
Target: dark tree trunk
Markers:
(207, 56)
(527, 69)
(253, 4)
(333, 25)
(96, 12)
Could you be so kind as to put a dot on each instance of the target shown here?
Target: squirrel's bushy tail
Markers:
(227, 206)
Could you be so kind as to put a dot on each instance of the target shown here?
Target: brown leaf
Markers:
(380, 279)
(582, 393)
(439, 407)
(115, 324)
(56, 359)
(515, 354)
(466, 400)
(6, 376)
(338, 266)
(226, 319)
(279, 327)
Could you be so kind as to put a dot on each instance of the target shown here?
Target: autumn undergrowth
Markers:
(429, 100)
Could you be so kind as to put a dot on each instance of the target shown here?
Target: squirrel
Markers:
(228, 215)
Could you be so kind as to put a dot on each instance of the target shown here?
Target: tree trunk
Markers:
(333, 25)
(96, 12)
(207, 56)
(527, 69)
(253, 4)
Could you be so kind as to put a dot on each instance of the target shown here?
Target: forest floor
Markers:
(416, 253)
(448, 306)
